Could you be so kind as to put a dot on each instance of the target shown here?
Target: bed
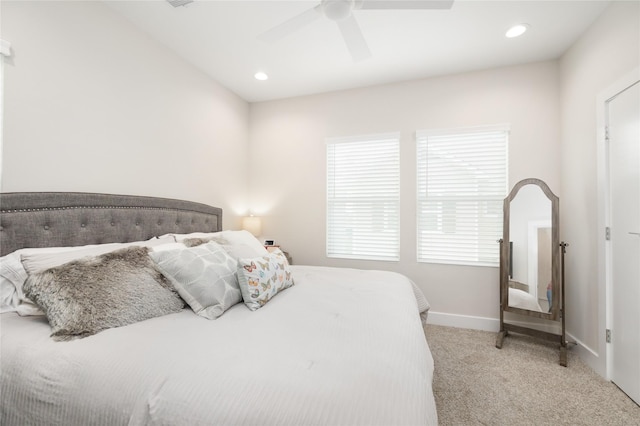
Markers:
(337, 347)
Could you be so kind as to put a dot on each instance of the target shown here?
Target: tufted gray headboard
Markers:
(56, 219)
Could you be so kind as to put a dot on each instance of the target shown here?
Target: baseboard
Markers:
(463, 321)
(588, 355)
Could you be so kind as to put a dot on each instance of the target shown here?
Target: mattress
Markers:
(340, 347)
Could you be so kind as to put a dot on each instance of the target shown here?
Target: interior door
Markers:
(624, 171)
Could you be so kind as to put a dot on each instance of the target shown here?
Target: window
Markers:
(462, 181)
(363, 197)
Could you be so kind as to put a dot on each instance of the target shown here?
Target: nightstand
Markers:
(270, 249)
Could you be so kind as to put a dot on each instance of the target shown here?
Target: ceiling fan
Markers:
(341, 12)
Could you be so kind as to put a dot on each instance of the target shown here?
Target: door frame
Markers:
(605, 309)
(532, 252)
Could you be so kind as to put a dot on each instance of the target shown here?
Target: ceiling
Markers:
(220, 37)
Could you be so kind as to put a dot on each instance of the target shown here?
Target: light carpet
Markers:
(521, 384)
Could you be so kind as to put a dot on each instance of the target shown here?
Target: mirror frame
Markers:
(554, 314)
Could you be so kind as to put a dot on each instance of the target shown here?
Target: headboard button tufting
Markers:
(51, 219)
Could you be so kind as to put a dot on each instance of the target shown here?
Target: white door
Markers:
(624, 186)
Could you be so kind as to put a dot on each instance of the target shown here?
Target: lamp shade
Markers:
(252, 224)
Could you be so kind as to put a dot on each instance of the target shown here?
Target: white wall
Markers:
(606, 52)
(287, 162)
(94, 104)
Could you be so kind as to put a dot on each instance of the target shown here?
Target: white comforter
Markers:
(342, 346)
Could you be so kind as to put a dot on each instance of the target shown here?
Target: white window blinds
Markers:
(462, 181)
(363, 197)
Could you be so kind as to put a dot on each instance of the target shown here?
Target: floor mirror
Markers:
(532, 266)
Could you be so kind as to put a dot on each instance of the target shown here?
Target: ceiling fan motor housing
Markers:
(337, 10)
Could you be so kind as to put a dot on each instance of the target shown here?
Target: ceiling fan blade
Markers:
(354, 39)
(291, 25)
(406, 4)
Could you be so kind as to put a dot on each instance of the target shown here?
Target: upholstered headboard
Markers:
(56, 219)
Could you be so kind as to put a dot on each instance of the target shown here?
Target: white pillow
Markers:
(12, 277)
(8, 296)
(181, 237)
(204, 276)
(39, 261)
(170, 246)
(523, 300)
(240, 238)
(238, 244)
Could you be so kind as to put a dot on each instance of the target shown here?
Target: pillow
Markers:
(86, 296)
(181, 237)
(13, 274)
(523, 300)
(238, 238)
(12, 277)
(204, 276)
(193, 242)
(170, 246)
(263, 277)
(237, 251)
(239, 242)
(36, 261)
(8, 296)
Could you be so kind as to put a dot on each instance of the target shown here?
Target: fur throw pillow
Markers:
(86, 296)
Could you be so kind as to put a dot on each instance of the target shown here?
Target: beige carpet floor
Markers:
(521, 384)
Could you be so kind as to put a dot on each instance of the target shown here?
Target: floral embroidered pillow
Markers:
(261, 278)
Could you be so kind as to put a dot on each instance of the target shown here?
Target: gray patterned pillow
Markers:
(86, 296)
(204, 275)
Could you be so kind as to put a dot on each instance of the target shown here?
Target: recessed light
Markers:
(516, 30)
(261, 76)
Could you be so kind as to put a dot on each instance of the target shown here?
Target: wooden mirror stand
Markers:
(532, 266)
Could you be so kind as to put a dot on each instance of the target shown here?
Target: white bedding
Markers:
(341, 346)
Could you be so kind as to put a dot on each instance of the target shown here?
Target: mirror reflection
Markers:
(530, 250)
